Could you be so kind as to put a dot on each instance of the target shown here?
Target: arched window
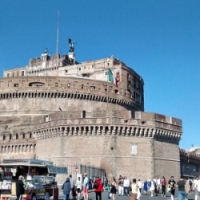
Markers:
(36, 84)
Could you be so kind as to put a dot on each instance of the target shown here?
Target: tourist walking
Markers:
(98, 188)
(197, 188)
(78, 188)
(121, 185)
(113, 189)
(126, 186)
(72, 184)
(134, 190)
(20, 187)
(190, 184)
(73, 192)
(172, 185)
(158, 185)
(145, 187)
(155, 186)
(181, 189)
(187, 188)
(66, 189)
(152, 187)
(163, 184)
(85, 186)
(139, 183)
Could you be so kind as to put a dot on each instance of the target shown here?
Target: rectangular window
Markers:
(8, 74)
(46, 118)
(92, 87)
(16, 85)
(133, 149)
(22, 73)
(83, 114)
(85, 75)
(137, 97)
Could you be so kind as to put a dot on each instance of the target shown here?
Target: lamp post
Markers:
(76, 170)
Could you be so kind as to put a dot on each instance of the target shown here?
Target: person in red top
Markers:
(163, 183)
(98, 188)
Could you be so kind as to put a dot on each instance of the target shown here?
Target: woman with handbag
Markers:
(163, 183)
(113, 189)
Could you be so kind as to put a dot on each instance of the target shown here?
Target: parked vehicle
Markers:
(39, 178)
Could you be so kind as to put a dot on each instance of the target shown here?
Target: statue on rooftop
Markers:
(71, 45)
(45, 50)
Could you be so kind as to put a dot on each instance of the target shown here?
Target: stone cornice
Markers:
(102, 130)
(69, 95)
(27, 148)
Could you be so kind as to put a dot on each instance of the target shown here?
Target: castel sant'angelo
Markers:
(89, 113)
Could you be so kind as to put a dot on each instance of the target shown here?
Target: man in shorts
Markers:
(85, 186)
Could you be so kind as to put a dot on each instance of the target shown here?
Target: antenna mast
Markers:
(57, 39)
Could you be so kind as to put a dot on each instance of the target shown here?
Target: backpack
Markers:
(95, 185)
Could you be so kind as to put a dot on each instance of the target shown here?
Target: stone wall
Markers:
(167, 159)
(60, 87)
(98, 152)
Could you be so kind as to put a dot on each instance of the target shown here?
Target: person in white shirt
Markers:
(158, 183)
(78, 188)
(126, 186)
(139, 183)
(121, 186)
(197, 187)
(152, 187)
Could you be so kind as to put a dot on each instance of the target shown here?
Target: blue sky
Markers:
(159, 39)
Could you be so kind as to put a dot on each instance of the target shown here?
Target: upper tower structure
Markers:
(126, 81)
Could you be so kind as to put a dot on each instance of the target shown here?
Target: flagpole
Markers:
(57, 39)
(107, 93)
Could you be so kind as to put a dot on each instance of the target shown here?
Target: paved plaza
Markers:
(143, 197)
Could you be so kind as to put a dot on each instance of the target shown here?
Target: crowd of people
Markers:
(81, 187)
(124, 187)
